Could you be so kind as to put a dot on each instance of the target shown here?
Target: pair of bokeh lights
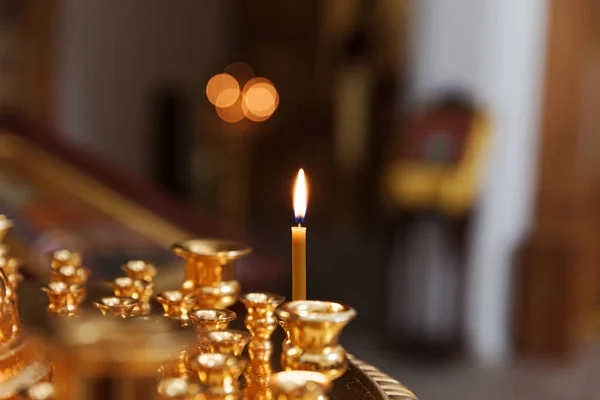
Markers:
(237, 94)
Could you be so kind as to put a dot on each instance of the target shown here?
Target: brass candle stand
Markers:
(313, 329)
(209, 270)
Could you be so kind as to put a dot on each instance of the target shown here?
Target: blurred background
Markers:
(450, 149)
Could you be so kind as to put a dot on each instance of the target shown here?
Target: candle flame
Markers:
(300, 197)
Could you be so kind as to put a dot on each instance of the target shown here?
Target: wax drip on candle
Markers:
(300, 197)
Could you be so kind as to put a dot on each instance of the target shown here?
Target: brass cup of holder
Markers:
(64, 298)
(219, 374)
(140, 270)
(177, 389)
(231, 342)
(176, 304)
(300, 385)
(62, 257)
(314, 328)
(116, 306)
(208, 320)
(141, 291)
(71, 275)
(210, 269)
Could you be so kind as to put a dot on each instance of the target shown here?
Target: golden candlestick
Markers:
(219, 374)
(313, 328)
(176, 304)
(230, 342)
(64, 299)
(300, 385)
(116, 306)
(260, 319)
(140, 270)
(208, 320)
(210, 267)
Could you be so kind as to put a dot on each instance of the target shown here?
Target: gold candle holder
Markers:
(71, 275)
(62, 257)
(208, 320)
(140, 270)
(210, 267)
(177, 389)
(300, 385)
(230, 342)
(260, 319)
(116, 306)
(219, 375)
(176, 304)
(63, 298)
(141, 291)
(313, 328)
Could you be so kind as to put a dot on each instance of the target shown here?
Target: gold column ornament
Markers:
(257, 375)
(313, 328)
(210, 269)
(219, 374)
(300, 385)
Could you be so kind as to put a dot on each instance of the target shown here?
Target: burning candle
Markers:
(299, 239)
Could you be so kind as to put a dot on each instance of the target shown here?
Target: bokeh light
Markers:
(233, 113)
(260, 99)
(222, 90)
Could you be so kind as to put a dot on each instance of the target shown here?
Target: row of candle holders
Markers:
(311, 356)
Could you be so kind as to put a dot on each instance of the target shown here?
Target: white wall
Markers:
(493, 49)
(114, 54)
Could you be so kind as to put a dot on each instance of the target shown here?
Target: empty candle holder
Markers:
(71, 275)
(62, 257)
(300, 385)
(230, 341)
(63, 298)
(116, 306)
(176, 304)
(210, 267)
(260, 319)
(208, 320)
(219, 375)
(140, 270)
(313, 328)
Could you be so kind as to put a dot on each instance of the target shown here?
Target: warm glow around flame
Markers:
(300, 197)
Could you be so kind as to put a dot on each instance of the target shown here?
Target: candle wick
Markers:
(299, 224)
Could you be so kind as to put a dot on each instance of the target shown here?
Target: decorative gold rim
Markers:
(389, 387)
